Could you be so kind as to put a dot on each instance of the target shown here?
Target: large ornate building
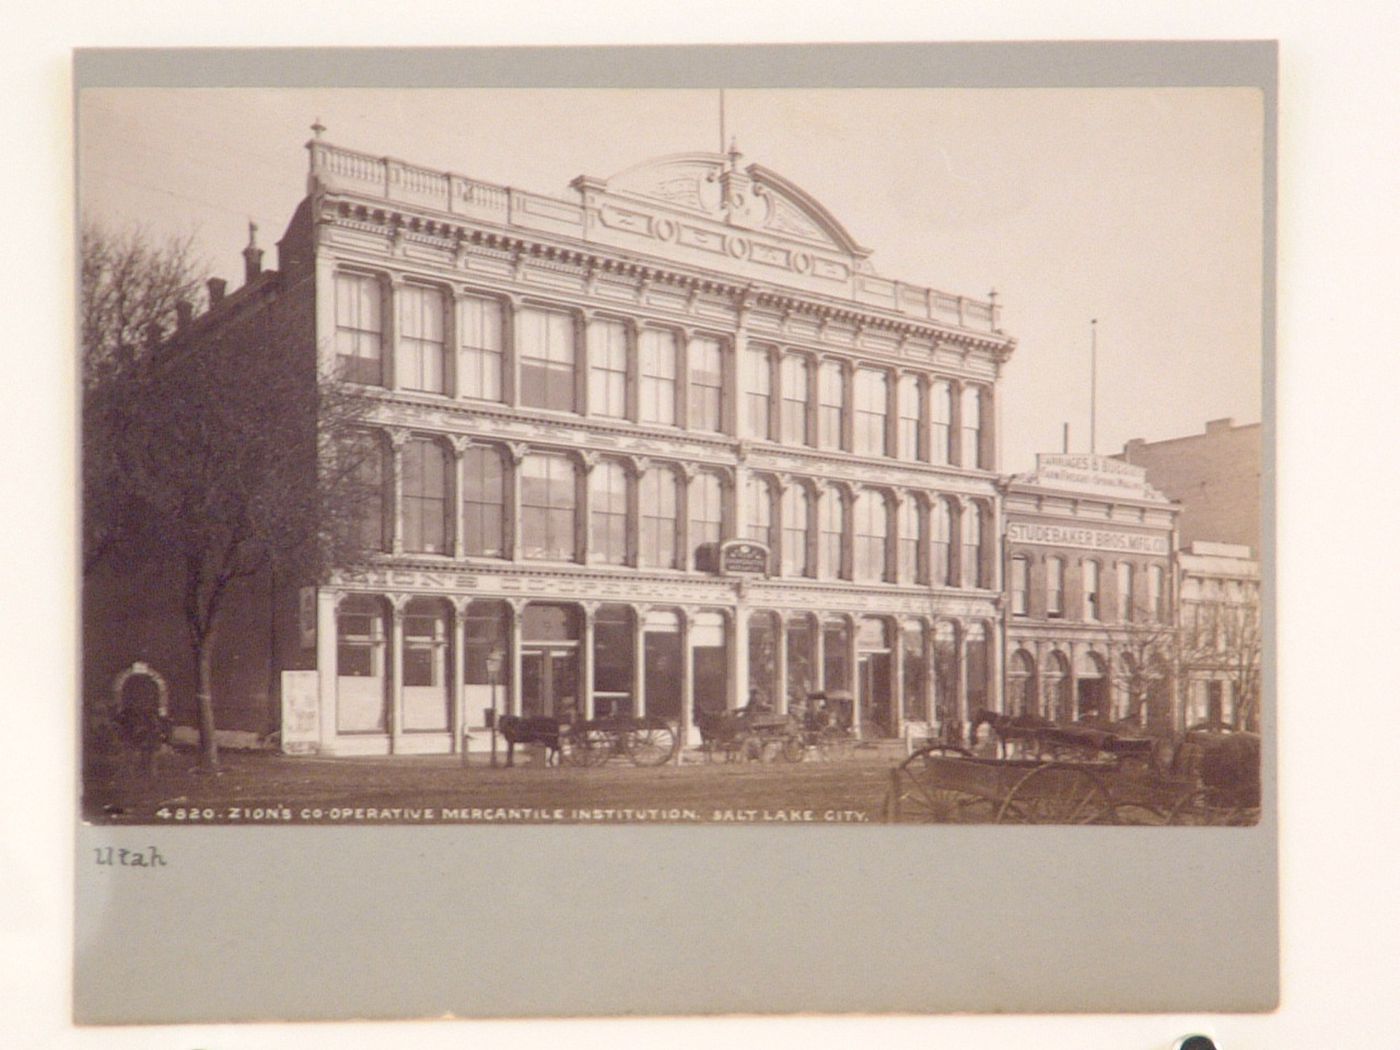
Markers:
(646, 447)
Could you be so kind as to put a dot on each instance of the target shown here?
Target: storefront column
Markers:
(996, 664)
(738, 631)
(930, 679)
(327, 602)
(687, 726)
(961, 700)
(1072, 712)
(1041, 702)
(639, 660)
(517, 637)
(457, 690)
(897, 678)
(817, 626)
(853, 670)
(780, 658)
(589, 611)
(397, 603)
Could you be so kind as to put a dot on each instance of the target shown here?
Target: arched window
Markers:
(1020, 681)
(481, 348)
(1156, 594)
(607, 368)
(1054, 586)
(706, 509)
(941, 543)
(940, 405)
(1092, 609)
(607, 507)
(872, 411)
(795, 400)
(911, 414)
(971, 546)
(1020, 586)
(548, 505)
(658, 354)
(833, 534)
(911, 520)
(1057, 683)
(546, 340)
(971, 426)
(758, 393)
(657, 500)
(706, 384)
(424, 497)
(872, 535)
(797, 523)
(1125, 592)
(831, 406)
(483, 502)
(421, 339)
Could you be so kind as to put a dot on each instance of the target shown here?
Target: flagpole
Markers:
(1093, 385)
(721, 121)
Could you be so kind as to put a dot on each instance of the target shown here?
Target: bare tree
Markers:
(1225, 639)
(1148, 653)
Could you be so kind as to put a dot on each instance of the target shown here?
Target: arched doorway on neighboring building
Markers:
(1057, 700)
(1092, 699)
(1020, 685)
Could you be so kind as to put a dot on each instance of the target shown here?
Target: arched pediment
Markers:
(754, 198)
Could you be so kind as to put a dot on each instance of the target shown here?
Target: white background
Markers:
(1337, 566)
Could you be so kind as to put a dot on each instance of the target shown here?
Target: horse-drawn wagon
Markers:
(641, 741)
(820, 725)
(1211, 777)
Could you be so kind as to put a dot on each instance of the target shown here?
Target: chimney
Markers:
(1219, 426)
(154, 335)
(252, 256)
(217, 285)
(1130, 447)
(184, 314)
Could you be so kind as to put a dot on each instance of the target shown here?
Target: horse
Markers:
(719, 733)
(1022, 730)
(535, 730)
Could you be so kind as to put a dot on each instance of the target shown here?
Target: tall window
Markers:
(872, 534)
(368, 528)
(971, 427)
(760, 515)
(359, 328)
(706, 384)
(911, 414)
(607, 369)
(872, 407)
(483, 503)
(1156, 593)
(1054, 586)
(972, 575)
(758, 393)
(796, 525)
(706, 509)
(941, 543)
(831, 403)
(910, 533)
(1091, 591)
(421, 339)
(548, 503)
(658, 353)
(657, 499)
(1020, 586)
(607, 505)
(482, 348)
(424, 497)
(1125, 592)
(546, 360)
(940, 411)
(833, 533)
(795, 400)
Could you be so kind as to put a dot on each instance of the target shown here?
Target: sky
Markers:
(1141, 208)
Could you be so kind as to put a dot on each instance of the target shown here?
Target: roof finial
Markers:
(318, 128)
(252, 234)
(734, 154)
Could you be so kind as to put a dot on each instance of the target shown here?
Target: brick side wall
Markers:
(1215, 478)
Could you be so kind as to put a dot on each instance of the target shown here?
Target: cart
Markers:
(641, 741)
(728, 736)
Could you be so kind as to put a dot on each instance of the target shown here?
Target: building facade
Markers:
(646, 448)
(1090, 609)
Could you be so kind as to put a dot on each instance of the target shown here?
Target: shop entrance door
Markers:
(549, 682)
(873, 675)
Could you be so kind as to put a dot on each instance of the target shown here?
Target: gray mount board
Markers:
(309, 923)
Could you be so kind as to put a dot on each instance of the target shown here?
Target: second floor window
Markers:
(657, 502)
(706, 509)
(548, 503)
(796, 524)
(1156, 594)
(706, 384)
(607, 504)
(481, 348)
(795, 400)
(546, 341)
(607, 369)
(1091, 591)
(760, 516)
(483, 503)
(359, 328)
(1020, 587)
(1054, 587)
(872, 407)
(421, 339)
(1125, 592)
(424, 497)
(831, 406)
(658, 353)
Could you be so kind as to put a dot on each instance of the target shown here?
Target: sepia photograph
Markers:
(622, 456)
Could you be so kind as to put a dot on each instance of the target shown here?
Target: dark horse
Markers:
(544, 731)
(1022, 730)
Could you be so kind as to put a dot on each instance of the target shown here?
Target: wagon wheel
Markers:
(1138, 814)
(651, 744)
(916, 797)
(576, 747)
(1205, 808)
(794, 750)
(1055, 793)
